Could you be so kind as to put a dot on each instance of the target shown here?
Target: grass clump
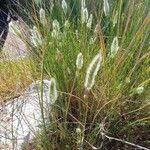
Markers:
(115, 102)
(110, 109)
(14, 78)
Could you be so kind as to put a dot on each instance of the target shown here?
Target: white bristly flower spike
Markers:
(115, 19)
(84, 15)
(89, 23)
(96, 29)
(64, 6)
(92, 40)
(36, 38)
(53, 94)
(139, 90)
(56, 25)
(83, 3)
(14, 29)
(106, 7)
(67, 24)
(79, 61)
(56, 29)
(114, 47)
(78, 130)
(42, 16)
(92, 71)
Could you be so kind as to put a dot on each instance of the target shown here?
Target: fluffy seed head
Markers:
(36, 38)
(78, 130)
(139, 90)
(96, 29)
(115, 19)
(106, 7)
(64, 6)
(89, 23)
(42, 17)
(84, 15)
(13, 28)
(114, 47)
(79, 61)
(92, 71)
(67, 24)
(83, 3)
(53, 95)
(92, 40)
(56, 25)
(56, 29)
